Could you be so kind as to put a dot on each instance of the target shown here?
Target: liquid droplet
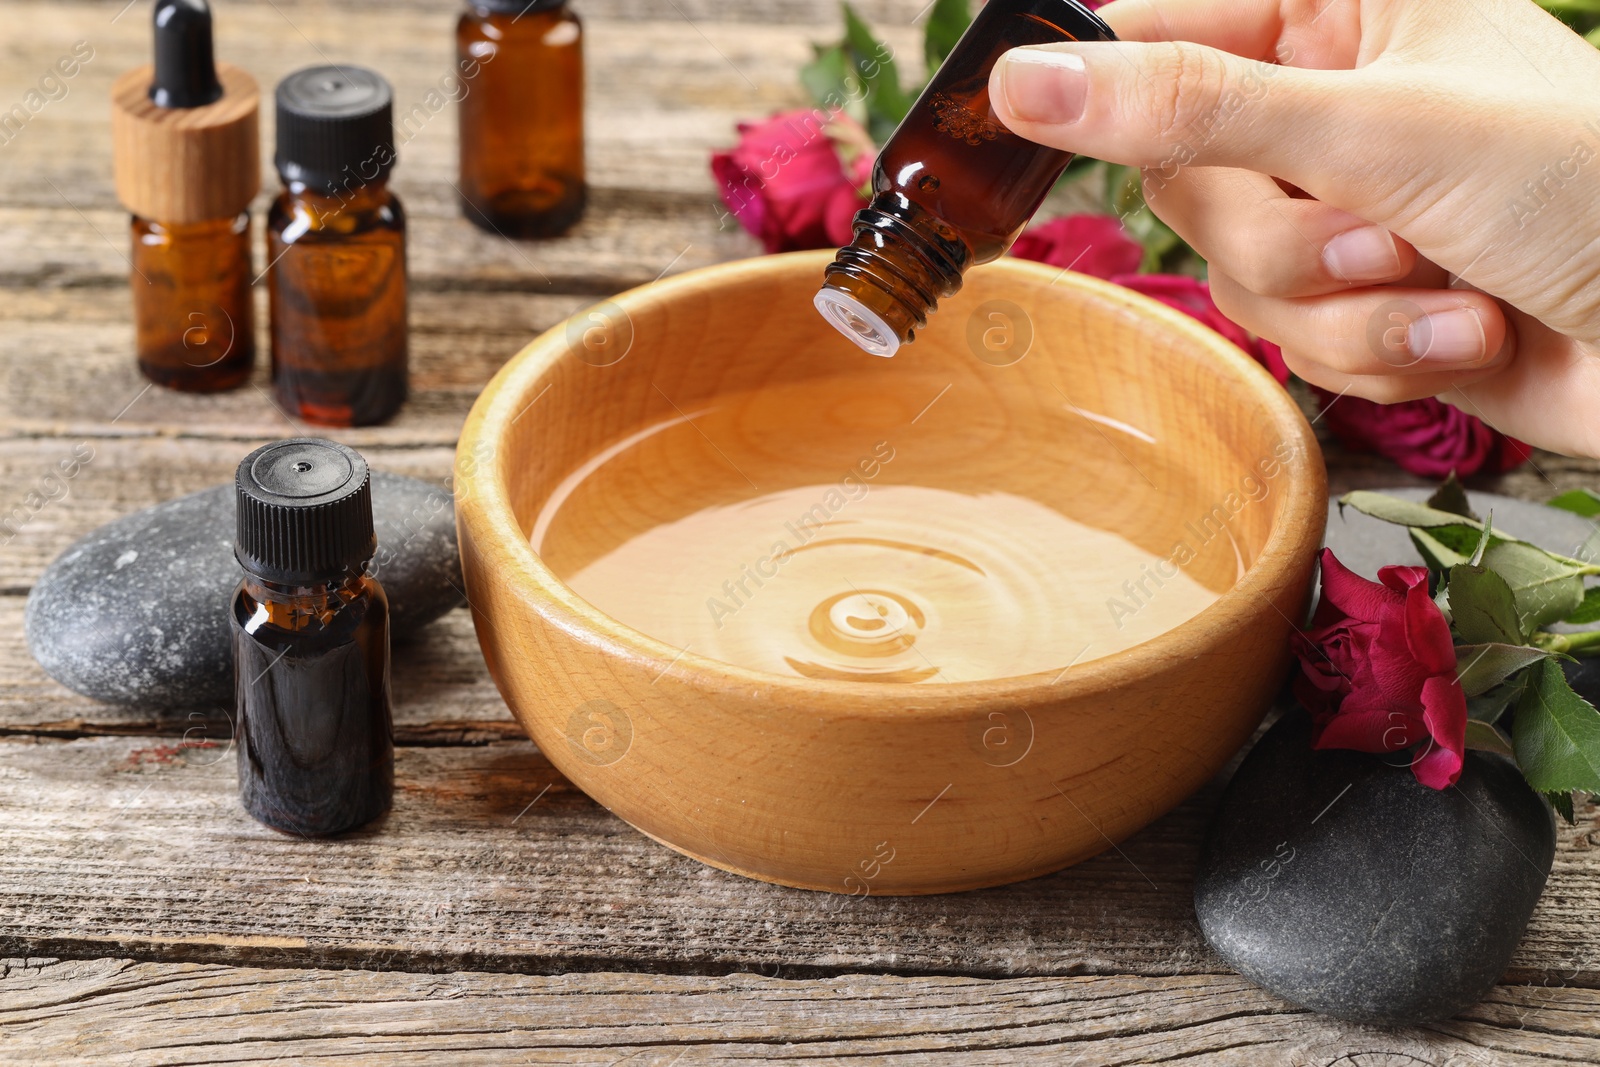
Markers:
(928, 183)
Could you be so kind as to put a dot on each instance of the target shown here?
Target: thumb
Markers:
(1165, 104)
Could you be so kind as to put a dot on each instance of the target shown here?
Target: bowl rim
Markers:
(486, 510)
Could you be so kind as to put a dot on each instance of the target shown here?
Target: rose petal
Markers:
(1370, 731)
(1445, 714)
(1427, 632)
(1353, 594)
(1088, 244)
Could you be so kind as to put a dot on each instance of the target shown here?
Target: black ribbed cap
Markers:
(305, 512)
(516, 7)
(335, 127)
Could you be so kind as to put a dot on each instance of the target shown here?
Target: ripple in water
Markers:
(904, 584)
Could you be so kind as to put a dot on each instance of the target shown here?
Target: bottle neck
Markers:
(320, 203)
(883, 285)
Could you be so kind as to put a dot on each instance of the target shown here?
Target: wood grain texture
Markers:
(832, 784)
(119, 1012)
(137, 846)
(177, 165)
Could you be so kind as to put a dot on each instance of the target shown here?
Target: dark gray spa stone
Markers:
(136, 612)
(1339, 882)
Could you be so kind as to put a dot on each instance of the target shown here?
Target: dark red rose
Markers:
(1088, 244)
(1427, 437)
(787, 181)
(1193, 297)
(1378, 670)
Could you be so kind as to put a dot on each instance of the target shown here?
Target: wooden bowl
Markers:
(1089, 398)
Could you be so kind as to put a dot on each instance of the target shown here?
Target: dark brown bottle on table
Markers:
(336, 244)
(187, 167)
(522, 166)
(953, 187)
(311, 642)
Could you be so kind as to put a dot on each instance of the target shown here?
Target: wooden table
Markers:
(498, 915)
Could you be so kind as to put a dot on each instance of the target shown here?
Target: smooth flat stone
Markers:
(136, 612)
(1337, 881)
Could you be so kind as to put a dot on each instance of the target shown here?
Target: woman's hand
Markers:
(1403, 194)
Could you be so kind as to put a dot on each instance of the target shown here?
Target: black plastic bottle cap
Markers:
(335, 128)
(186, 69)
(305, 512)
(517, 7)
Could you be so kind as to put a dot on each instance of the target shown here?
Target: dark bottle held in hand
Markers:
(311, 642)
(953, 187)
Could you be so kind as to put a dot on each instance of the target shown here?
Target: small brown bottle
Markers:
(313, 726)
(187, 166)
(336, 245)
(953, 187)
(522, 167)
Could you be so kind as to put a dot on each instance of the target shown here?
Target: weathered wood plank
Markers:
(128, 473)
(491, 861)
(442, 694)
(70, 371)
(663, 90)
(113, 1011)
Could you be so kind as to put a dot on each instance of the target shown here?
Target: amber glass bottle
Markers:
(187, 167)
(314, 731)
(953, 187)
(191, 301)
(522, 168)
(336, 242)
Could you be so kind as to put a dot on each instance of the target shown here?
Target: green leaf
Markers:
(829, 78)
(1484, 540)
(1562, 803)
(1483, 607)
(1593, 37)
(1452, 497)
(1403, 512)
(886, 102)
(1486, 738)
(1493, 704)
(1437, 555)
(1556, 734)
(1583, 502)
(946, 23)
(1479, 668)
(1589, 610)
(1547, 588)
(1564, 6)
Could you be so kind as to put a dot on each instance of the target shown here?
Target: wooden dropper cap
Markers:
(185, 131)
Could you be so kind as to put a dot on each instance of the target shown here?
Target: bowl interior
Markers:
(725, 385)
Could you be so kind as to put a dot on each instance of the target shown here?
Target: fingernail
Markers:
(1367, 254)
(1044, 87)
(1448, 337)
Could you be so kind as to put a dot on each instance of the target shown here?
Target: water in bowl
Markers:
(877, 572)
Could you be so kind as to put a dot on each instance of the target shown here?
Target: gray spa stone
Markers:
(136, 612)
(1337, 881)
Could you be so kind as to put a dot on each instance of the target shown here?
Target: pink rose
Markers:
(1193, 297)
(787, 183)
(1378, 670)
(1089, 244)
(1427, 437)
